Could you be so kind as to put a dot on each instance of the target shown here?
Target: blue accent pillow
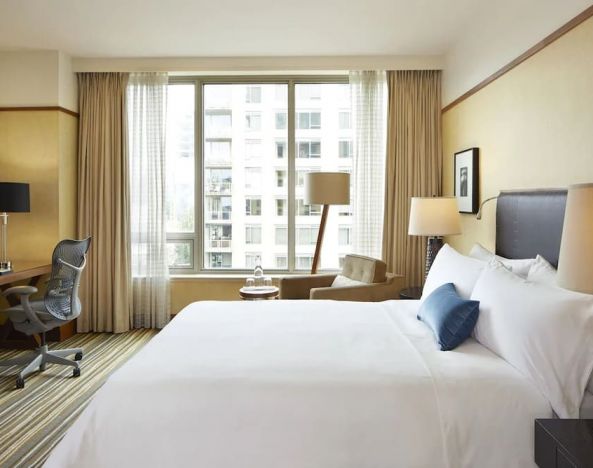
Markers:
(450, 317)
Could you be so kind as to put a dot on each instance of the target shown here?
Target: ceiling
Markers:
(223, 28)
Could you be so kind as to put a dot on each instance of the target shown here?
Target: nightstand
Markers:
(563, 443)
(414, 292)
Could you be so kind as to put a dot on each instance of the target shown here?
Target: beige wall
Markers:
(534, 128)
(39, 147)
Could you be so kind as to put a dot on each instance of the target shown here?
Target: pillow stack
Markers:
(520, 314)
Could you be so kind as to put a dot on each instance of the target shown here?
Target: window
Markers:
(253, 206)
(304, 262)
(306, 235)
(345, 149)
(238, 169)
(308, 120)
(219, 236)
(280, 178)
(253, 150)
(280, 207)
(253, 234)
(281, 120)
(253, 94)
(281, 235)
(253, 121)
(281, 262)
(344, 120)
(345, 235)
(280, 149)
(252, 260)
(309, 149)
(253, 179)
(220, 259)
(307, 210)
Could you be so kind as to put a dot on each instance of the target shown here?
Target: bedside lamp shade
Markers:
(327, 188)
(434, 216)
(14, 197)
(575, 264)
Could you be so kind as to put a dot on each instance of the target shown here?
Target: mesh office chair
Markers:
(59, 306)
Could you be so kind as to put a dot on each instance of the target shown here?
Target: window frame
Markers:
(197, 237)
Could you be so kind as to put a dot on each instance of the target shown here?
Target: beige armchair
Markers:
(379, 285)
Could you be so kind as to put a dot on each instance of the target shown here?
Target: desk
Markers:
(32, 272)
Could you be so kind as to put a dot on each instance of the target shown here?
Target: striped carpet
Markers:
(34, 419)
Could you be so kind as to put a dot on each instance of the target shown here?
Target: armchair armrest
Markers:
(373, 292)
(298, 287)
(20, 291)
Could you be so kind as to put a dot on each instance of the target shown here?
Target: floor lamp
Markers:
(325, 188)
(434, 217)
(14, 198)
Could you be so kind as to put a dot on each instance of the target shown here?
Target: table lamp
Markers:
(14, 198)
(434, 217)
(325, 188)
(575, 264)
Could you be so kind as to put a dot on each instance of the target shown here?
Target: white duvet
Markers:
(306, 384)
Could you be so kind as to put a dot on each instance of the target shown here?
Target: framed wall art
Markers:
(466, 177)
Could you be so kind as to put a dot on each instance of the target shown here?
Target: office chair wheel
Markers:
(76, 372)
(78, 357)
(20, 382)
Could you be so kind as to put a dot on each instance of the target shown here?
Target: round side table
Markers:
(259, 293)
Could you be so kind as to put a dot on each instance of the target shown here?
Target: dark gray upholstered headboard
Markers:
(529, 222)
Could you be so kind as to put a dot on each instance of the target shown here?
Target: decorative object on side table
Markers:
(259, 292)
(415, 292)
(467, 180)
(14, 198)
(575, 264)
(563, 443)
(433, 217)
(325, 188)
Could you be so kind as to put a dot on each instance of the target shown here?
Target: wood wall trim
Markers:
(40, 108)
(573, 23)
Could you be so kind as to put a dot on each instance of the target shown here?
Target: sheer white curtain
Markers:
(368, 90)
(147, 104)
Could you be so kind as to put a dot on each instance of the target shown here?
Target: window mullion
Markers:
(291, 176)
(199, 178)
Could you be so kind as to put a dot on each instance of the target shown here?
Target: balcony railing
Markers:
(219, 188)
(218, 215)
(219, 243)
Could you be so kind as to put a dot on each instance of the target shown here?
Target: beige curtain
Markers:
(414, 164)
(103, 206)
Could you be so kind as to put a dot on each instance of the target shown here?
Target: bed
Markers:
(309, 384)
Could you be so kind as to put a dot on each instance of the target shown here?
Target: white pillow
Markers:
(450, 266)
(344, 282)
(518, 266)
(542, 272)
(546, 333)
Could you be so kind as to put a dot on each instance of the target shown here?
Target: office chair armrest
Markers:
(20, 291)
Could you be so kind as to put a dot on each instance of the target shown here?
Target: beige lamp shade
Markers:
(327, 188)
(575, 264)
(434, 216)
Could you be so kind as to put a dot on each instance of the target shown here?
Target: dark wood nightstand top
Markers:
(564, 442)
(414, 292)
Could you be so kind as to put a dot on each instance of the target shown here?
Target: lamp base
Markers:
(433, 245)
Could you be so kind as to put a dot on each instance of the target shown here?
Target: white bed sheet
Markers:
(306, 384)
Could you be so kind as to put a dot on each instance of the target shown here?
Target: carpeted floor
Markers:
(34, 419)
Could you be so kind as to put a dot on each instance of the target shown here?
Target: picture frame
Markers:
(466, 180)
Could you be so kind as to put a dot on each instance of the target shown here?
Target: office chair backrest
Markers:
(68, 261)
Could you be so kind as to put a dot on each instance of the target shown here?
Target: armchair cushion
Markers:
(344, 282)
(365, 269)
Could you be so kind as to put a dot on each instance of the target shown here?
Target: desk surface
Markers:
(24, 270)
